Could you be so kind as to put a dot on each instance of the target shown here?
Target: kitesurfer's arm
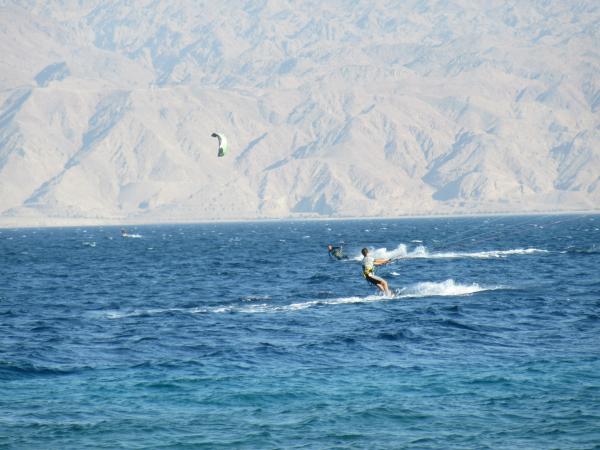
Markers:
(381, 261)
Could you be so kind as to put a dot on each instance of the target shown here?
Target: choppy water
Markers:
(248, 336)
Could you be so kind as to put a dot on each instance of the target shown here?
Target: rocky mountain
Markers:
(339, 108)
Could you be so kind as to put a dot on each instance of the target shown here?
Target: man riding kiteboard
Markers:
(368, 266)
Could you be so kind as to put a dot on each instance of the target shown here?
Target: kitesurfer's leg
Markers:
(380, 283)
(385, 288)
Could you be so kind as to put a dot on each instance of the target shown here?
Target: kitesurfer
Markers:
(368, 266)
(336, 252)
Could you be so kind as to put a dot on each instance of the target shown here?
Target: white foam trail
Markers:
(338, 301)
(420, 251)
(141, 312)
(489, 254)
(448, 288)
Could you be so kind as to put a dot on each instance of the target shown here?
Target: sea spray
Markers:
(403, 252)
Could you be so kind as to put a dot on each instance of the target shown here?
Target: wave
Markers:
(448, 288)
(17, 371)
(420, 251)
(593, 250)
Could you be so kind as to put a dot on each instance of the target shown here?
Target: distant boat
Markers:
(125, 234)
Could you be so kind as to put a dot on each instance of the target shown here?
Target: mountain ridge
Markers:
(344, 109)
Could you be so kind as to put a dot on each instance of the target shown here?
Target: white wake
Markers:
(420, 251)
(446, 288)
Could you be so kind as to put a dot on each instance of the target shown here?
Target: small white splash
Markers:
(131, 236)
(254, 298)
(446, 288)
(222, 309)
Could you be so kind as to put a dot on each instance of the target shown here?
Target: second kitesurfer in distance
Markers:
(336, 252)
(368, 266)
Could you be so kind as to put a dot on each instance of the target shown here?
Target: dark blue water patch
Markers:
(398, 335)
(249, 336)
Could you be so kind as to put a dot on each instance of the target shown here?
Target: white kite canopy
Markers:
(223, 147)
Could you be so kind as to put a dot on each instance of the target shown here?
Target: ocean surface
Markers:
(247, 335)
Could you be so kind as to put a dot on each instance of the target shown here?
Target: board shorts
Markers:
(374, 279)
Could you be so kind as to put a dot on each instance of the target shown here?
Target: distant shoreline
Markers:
(5, 223)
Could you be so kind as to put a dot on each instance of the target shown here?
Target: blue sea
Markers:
(248, 336)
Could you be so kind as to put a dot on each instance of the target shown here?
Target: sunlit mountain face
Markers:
(338, 108)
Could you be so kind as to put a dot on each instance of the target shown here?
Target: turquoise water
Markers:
(248, 336)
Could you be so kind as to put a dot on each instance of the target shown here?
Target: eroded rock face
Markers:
(331, 109)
